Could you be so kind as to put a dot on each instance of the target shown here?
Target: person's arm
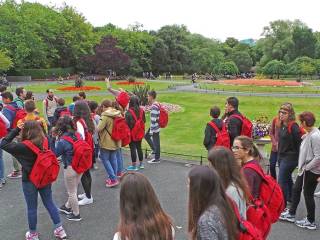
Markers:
(295, 130)
(209, 137)
(15, 149)
(315, 162)
(5, 120)
(234, 128)
(44, 108)
(102, 124)
(111, 90)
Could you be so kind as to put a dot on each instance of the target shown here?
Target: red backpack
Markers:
(45, 170)
(19, 114)
(137, 132)
(223, 138)
(247, 127)
(270, 193)
(65, 112)
(3, 129)
(163, 116)
(247, 230)
(301, 129)
(82, 154)
(121, 131)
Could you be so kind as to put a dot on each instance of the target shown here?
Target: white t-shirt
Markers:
(80, 130)
(117, 234)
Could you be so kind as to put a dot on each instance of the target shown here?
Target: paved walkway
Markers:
(101, 218)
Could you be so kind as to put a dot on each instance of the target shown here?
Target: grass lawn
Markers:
(242, 88)
(184, 134)
(41, 88)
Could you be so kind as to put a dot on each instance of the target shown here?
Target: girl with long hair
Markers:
(65, 128)
(245, 151)
(108, 146)
(210, 212)
(135, 146)
(141, 215)
(288, 148)
(32, 131)
(85, 127)
(233, 181)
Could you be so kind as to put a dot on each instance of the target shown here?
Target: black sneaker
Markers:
(65, 210)
(72, 217)
(154, 161)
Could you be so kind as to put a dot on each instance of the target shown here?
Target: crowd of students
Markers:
(225, 197)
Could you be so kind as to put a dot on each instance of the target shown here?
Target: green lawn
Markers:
(184, 134)
(41, 88)
(260, 89)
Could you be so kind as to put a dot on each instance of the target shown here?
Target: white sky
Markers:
(211, 18)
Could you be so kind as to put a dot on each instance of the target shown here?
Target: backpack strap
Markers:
(68, 139)
(11, 108)
(240, 117)
(256, 168)
(81, 120)
(34, 148)
(214, 126)
(133, 115)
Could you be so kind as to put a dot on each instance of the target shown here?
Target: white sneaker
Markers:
(85, 201)
(82, 196)
(317, 194)
(60, 233)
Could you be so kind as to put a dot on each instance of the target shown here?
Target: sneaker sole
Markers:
(111, 186)
(64, 211)
(83, 204)
(75, 220)
(310, 228)
(14, 177)
(61, 238)
(287, 220)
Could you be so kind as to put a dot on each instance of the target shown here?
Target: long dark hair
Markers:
(141, 215)
(134, 104)
(65, 124)
(222, 159)
(33, 131)
(206, 190)
(82, 110)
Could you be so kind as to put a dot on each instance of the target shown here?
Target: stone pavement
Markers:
(100, 219)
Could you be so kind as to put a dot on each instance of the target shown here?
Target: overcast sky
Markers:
(215, 19)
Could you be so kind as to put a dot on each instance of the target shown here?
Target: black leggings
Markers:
(86, 181)
(134, 148)
(309, 186)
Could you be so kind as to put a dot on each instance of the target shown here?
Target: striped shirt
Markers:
(154, 118)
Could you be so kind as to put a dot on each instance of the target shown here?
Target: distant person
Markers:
(74, 100)
(60, 111)
(50, 104)
(141, 215)
(234, 124)
(274, 136)
(29, 95)
(21, 95)
(82, 95)
(153, 134)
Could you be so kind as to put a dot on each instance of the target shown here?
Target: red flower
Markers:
(85, 88)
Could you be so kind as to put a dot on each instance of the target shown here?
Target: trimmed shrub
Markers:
(44, 73)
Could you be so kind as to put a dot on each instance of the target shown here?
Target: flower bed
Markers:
(85, 88)
(261, 127)
(262, 82)
(129, 83)
(168, 106)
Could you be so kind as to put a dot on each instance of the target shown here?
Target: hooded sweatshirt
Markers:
(105, 129)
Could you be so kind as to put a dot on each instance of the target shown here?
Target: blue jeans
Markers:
(285, 177)
(1, 165)
(119, 161)
(109, 160)
(273, 163)
(31, 196)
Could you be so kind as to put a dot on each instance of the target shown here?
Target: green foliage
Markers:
(229, 68)
(274, 67)
(142, 93)
(5, 61)
(44, 73)
(302, 66)
(243, 60)
(131, 79)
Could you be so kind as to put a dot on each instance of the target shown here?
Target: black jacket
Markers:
(210, 134)
(130, 120)
(234, 125)
(289, 143)
(21, 152)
